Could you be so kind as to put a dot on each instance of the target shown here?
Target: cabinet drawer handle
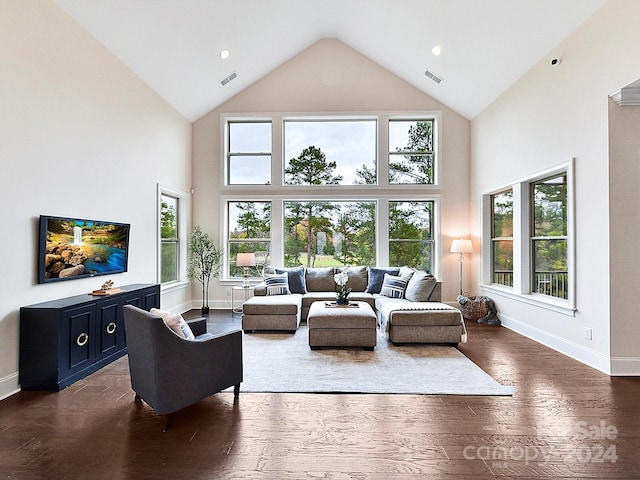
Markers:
(82, 339)
(111, 328)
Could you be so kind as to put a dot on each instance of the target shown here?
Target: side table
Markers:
(244, 293)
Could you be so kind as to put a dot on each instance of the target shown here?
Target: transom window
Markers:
(330, 152)
(411, 154)
(249, 153)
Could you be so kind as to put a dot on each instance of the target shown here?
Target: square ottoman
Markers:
(343, 326)
(272, 312)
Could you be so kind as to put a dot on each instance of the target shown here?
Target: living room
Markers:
(73, 107)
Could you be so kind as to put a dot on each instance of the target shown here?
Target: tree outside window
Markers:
(502, 238)
(249, 232)
(549, 236)
(411, 154)
(411, 234)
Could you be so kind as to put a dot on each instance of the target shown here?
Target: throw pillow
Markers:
(376, 277)
(406, 272)
(175, 322)
(277, 284)
(357, 281)
(320, 279)
(420, 287)
(393, 286)
(296, 279)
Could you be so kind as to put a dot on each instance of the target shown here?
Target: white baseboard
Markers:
(571, 349)
(9, 386)
(625, 366)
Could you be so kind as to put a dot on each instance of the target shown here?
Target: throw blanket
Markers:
(390, 307)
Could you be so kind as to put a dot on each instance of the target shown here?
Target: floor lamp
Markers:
(461, 246)
(246, 260)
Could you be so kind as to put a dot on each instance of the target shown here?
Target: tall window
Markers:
(169, 239)
(529, 240)
(549, 236)
(347, 146)
(249, 232)
(411, 153)
(502, 238)
(411, 239)
(330, 202)
(249, 153)
(326, 233)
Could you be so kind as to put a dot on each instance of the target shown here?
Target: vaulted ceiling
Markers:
(175, 45)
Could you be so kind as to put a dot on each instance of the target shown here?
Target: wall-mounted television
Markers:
(71, 248)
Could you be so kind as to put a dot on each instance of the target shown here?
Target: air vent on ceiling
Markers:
(433, 76)
(226, 80)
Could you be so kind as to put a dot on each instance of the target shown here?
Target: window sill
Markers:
(173, 286)
(542, 301)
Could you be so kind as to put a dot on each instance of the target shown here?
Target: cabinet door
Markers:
(78, 349)
(151, 298)
(110, 328)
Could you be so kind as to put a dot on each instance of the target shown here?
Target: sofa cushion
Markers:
(320, 279)
(420, 286)
(376, 277)
(394, 286)
(296, 278)
(277, 284)
(357, 278)
(175, 322)
(273, 305)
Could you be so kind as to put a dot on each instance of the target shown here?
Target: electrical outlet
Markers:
(588, 334)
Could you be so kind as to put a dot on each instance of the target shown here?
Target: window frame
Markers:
(182, 233)
(495, 239)
(382, 192)
(229, 155)
(523, 288)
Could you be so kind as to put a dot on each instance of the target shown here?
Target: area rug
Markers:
(283, 362)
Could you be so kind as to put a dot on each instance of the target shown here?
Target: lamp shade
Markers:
(461, 246)
(246, 260)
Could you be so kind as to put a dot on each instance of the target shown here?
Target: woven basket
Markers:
(475, 308)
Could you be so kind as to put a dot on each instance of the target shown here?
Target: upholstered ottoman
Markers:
(272, 312)
(423, 322)
(342, 326)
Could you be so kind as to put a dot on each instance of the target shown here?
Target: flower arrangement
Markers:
(342, 294)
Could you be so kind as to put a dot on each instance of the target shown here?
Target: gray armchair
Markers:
(170, 372)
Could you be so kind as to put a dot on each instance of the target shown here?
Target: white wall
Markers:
(550, 115)
(330, 76)
(81, 136)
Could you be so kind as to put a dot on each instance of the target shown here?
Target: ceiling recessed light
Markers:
(224, 54)
(436, 50)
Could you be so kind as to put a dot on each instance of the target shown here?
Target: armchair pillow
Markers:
(175, 322)
(277, 284)
(376, 277)
(393, 286)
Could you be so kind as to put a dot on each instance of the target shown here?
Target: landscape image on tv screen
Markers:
(74, 248)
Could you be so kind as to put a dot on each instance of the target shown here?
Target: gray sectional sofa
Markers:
(416, 315)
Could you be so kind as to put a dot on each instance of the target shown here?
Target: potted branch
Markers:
(205, 261)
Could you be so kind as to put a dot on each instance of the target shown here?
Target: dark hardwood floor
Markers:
(564, 421)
